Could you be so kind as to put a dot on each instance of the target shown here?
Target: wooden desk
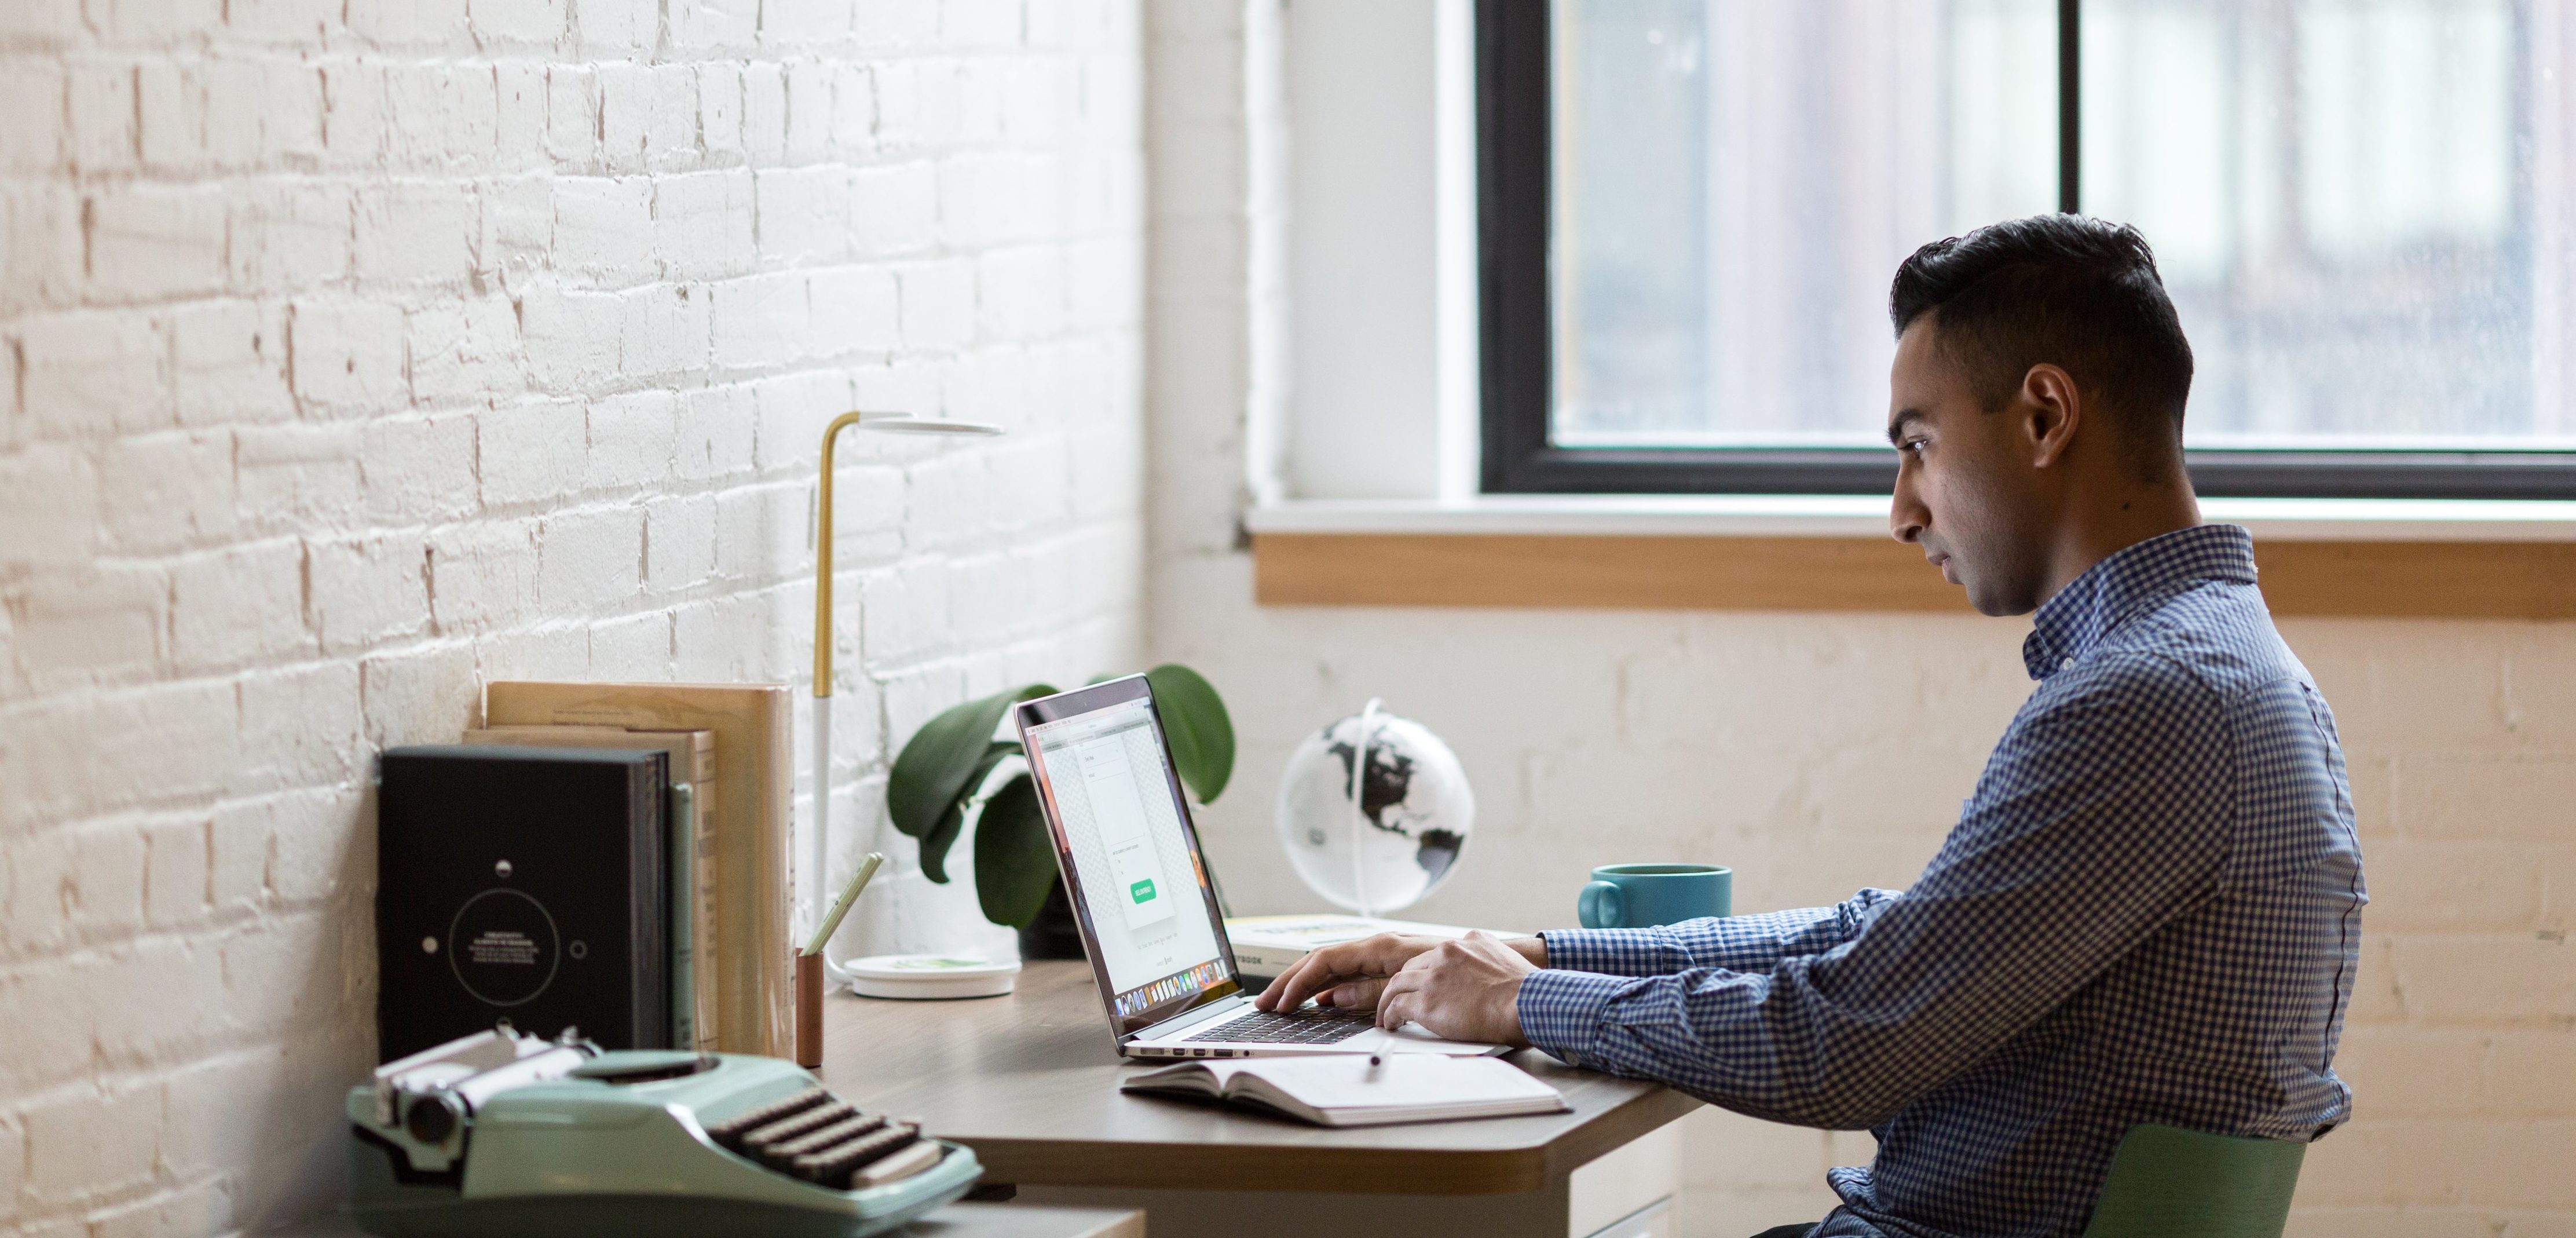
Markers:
(1030, 1081)
(960, 1220)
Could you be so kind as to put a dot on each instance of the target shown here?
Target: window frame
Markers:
(1516, 347)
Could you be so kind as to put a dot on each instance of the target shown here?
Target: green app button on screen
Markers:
(1142, 891)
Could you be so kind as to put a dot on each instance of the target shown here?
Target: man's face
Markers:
(1967, 487)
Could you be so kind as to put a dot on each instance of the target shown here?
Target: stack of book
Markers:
(605, 857)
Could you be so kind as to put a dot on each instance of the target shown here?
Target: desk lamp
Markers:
(889, 423)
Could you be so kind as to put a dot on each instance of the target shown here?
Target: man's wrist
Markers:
(1533, 948)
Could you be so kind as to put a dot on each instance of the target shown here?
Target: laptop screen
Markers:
(1139, 884)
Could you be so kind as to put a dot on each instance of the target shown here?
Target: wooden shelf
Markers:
(2382, 579)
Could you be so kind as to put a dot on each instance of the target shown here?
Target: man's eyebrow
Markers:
(1896, 425)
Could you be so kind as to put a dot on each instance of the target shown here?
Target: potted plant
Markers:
(960, 768)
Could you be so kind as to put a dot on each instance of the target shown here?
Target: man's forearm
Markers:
(1738, 943)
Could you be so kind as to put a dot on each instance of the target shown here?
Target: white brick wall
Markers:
(354, 353)
(1817, 754)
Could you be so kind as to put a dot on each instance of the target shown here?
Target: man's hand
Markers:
(1348, 975)
(1461, 990)
(1352, 975)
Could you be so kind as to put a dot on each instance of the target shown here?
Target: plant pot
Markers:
(1052, 935)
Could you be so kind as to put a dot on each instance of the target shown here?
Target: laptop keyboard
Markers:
(1312, 1025)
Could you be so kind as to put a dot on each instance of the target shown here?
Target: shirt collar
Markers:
(2127, 581)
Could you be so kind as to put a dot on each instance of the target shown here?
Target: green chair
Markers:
(2166, 1182)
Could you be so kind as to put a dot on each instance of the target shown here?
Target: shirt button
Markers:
(2066, 664)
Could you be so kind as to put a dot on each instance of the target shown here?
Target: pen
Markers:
(849, 895)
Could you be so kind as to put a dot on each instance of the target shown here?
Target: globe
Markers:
(1404, 834)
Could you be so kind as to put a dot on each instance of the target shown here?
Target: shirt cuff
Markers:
(1561, 1011)
(1615, 952)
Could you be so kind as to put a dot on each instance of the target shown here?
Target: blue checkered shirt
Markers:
(2148, 912)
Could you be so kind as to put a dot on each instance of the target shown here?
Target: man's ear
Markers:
(2052, 412)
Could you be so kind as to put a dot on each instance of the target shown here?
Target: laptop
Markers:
(1148, 914)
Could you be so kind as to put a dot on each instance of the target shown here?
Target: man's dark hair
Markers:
(2069, 290)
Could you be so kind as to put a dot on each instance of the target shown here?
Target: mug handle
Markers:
(1601, 905)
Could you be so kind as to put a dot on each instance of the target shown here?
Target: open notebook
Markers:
(1356, 1090)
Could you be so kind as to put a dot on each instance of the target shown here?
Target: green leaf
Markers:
(935, 844)
(936, 767)
(1014, 858)
(1195, 720)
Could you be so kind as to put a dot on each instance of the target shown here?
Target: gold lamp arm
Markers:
(823, 558)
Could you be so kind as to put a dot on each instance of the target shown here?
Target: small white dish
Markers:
(930, 977)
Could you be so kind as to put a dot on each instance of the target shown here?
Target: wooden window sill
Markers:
(2373, 558)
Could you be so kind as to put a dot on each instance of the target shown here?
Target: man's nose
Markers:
(1905, 516)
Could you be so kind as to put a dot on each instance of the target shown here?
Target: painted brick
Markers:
(612, 28)
(703, 224)
(347, 353)
(228, 363)
(297, 477)
(355, 112)
(720, 105)
(84, 373)
(715, 434)
(571, 336)
(760, 320)
(590, 558)
(604, 228)
(648, 115)
(804, 26)
(290, 237)
(416, 232)
(104, 624)
(631, 440)
(82, 1140)
(172, 491)
(2444, 795)
(536, 23)
(714, 30)
(1020, 294)
(679, 542)
(369, 590)
(482, 575)
(175, 873)
(808, 133)
(450, 117)
(102, 136)
(464, 352)
(855, 310)
(804, 214)
(42, 258)
(31, 94)
(300, 728)
(663, 331)
(2521, 979)
(572, 114)
(233, 607)
(894, 211)
(764, 112)
(147, 23)
(287, 22)
(938, 305)
(530, 452)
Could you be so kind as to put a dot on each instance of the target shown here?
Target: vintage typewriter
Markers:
(504, 1134)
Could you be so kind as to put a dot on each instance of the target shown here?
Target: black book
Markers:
(524, 884)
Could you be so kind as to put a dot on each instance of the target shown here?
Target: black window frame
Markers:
(1516, 345)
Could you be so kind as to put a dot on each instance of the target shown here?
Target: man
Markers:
(2148, 910)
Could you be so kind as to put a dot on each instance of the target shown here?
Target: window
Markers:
(1690, 211)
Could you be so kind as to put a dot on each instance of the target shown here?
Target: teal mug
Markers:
(1640, 895)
